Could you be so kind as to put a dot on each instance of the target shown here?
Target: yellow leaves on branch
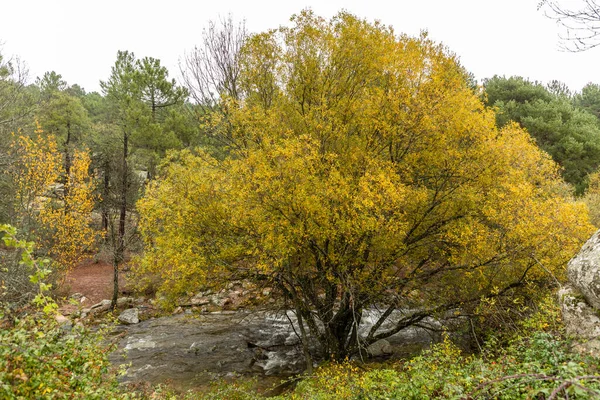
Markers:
(63, 222)
(68, 222)
(38, 167)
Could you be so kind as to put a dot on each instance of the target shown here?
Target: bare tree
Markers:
(15, 102)
(16, 107)
(581, 23)
(213, 68)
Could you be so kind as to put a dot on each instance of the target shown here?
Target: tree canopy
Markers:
(560, 125)
(362, 171)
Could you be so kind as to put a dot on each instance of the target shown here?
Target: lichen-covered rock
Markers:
(581, 321)
(584, 271)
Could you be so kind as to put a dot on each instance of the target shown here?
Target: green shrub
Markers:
(41, 360)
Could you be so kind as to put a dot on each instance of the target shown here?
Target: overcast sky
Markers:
(79, 39)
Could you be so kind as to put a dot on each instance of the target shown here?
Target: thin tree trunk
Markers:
(67, 166)
(105, 195)
(115, 296)
(120, 245)
(123, 213)
(305, 349)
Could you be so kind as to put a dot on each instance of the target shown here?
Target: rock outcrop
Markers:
(202, 346)
(580, 299)
(584, 271)
(581, 321)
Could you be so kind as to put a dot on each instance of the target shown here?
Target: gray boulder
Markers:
(584, 271)
(380, 348)
(130, 316)
(581, 320)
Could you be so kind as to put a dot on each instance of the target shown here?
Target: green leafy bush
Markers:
(41, 360)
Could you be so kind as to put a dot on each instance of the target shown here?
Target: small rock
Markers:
(61, 319)
(380, 348)
(199, 301)
(104, 305)
(129, 316)
(218, 300)
(76, 296)
(83, 299)
(122, 301)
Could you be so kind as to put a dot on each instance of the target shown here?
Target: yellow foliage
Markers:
(37, 168)
(62, 222)
(69, 221)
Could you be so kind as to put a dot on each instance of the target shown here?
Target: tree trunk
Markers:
(105, 195)
(119, 250)
(304, 339)
(67, 166)
(116, 261)
(125, 182)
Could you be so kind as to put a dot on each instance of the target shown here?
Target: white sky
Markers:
(79, 39)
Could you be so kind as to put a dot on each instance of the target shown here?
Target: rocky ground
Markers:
(211, 335)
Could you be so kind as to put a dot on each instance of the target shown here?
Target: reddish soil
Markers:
(92, 279)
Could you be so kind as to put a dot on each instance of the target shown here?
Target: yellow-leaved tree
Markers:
(67, 220)
(57, 215)
(364, 179)
(36, 169)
